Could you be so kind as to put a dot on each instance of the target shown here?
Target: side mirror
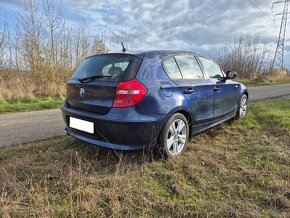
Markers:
(231, 74)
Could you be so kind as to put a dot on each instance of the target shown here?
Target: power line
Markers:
(268, 4)
(266, 15)
(253, 4)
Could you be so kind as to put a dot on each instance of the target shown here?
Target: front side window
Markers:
(189, 67)
(171, 68)
(212, 69)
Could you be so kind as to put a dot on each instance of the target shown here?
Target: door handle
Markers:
(216, 88)
(189, 91)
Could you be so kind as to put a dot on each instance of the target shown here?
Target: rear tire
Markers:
(174, 136)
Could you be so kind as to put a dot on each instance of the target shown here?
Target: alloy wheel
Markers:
(176, 137)
(243, 106)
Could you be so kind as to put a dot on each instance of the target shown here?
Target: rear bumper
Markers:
(121, 128)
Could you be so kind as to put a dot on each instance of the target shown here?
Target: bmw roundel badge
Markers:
(82, 92)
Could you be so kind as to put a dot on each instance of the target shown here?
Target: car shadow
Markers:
(105, 157)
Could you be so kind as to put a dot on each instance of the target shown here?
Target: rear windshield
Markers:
(114, 67)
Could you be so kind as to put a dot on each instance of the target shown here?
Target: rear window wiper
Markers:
(92, 78)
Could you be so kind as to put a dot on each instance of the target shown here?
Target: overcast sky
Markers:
(195, 25)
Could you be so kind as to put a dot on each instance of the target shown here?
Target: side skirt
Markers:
(201, 127)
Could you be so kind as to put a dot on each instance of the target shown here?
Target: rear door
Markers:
(92, 87)
(225, 91)
(195, 87)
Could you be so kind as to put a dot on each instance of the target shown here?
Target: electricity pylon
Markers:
(278, 61)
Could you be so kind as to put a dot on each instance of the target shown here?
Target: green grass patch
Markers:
(30, 104)
(269, 115)
(237, 170)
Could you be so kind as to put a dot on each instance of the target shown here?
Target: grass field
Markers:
(30, 104)
(237, 170)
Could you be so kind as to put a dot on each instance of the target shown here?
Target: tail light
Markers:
(129, 93)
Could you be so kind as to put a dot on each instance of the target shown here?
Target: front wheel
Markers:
(174, 136)
(242, 107)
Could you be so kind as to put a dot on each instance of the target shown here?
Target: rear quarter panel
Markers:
(163, 95)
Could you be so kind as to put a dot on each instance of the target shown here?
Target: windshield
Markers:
(109, 67)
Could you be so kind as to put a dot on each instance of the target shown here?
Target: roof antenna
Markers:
(124, 49)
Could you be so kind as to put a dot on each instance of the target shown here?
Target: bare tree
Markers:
(53, 11)
(44, 46)
(3, 36)
(30, 29)
(82, 43)
(99, 47)
(248, 55)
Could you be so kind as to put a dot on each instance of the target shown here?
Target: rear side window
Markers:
(171, 68)
(189, 67)
(212, 69)
(115, 67)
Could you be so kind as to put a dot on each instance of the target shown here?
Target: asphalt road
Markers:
(264, 92)
(23, 127)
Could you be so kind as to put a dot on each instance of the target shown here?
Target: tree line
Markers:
(41, 37)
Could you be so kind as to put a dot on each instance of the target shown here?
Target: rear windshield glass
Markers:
(114, 67)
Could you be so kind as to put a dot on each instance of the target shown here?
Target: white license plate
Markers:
(82, 125)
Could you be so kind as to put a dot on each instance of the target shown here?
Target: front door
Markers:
(225, 98)
(225, 91)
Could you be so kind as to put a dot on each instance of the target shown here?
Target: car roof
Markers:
(160, 53)
(163, 52)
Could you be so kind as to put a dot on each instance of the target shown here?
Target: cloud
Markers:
(200, 25)
(11, 2)
(191, 25)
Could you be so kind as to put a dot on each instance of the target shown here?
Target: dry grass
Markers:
(239, 170)
(268, 78)
(23, 85)
(276, 76)
(12, 86)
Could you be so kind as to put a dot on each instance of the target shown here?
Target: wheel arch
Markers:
(188, 117)
(246, 93)
(185, 112)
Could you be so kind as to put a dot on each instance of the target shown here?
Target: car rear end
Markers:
(102, 104)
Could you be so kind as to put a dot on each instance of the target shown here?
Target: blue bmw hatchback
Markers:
(131, 101)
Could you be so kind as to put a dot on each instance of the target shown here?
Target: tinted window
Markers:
(211, 68)
(117, 67)
(189, 67)
(122, 65)
(171, 68)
